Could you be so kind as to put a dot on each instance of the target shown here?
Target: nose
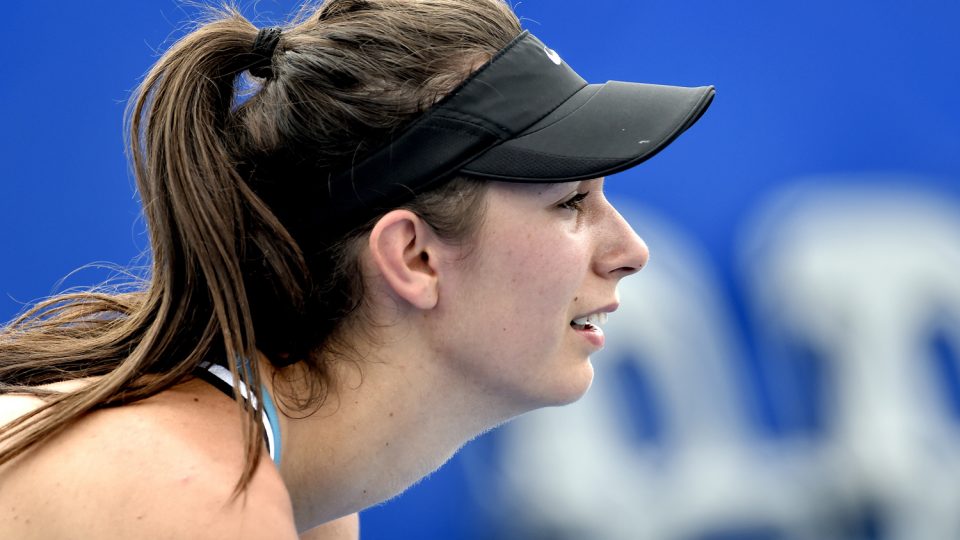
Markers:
(623, 251)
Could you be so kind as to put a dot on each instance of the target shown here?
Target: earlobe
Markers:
(400, 248)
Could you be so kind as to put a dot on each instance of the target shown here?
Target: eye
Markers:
(575, 202)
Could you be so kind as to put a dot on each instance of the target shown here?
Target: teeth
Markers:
(594, 319)
(598, 319)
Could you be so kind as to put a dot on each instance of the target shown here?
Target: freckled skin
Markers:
(560, 263)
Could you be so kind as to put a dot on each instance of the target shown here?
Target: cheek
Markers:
(538, 280)
(505, 322)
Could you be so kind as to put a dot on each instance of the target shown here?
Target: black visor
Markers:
(525, 116)
(600, 130)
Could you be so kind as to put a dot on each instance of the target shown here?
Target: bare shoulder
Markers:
(163, 468)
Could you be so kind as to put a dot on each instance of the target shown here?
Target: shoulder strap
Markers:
(221, 379)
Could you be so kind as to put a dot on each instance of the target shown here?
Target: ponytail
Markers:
(202, 208)
(204, 222)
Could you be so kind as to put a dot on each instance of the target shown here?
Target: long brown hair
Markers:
(232, 273)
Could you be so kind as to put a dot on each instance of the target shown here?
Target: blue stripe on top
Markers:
(271, 422)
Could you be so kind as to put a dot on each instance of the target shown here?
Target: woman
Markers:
(376, 233)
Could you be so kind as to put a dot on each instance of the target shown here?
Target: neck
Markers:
(393, 417)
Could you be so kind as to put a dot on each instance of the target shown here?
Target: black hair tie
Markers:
(263, 47)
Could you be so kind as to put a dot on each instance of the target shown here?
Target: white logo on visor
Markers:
(552, 55)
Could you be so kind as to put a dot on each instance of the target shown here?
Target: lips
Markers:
(589, 326)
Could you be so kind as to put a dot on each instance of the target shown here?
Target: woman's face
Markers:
(545, 256)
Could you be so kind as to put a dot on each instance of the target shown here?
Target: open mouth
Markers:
(591, 322)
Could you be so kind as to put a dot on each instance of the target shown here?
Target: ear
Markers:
(404, 249)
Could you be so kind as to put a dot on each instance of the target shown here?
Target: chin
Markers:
(536, 390)
(571, 388)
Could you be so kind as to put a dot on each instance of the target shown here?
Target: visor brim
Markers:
(602, 129)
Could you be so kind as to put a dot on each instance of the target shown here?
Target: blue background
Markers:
(804, 89)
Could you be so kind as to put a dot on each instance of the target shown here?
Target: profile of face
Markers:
(546, 255)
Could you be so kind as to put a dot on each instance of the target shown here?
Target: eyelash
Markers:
(575, 202)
